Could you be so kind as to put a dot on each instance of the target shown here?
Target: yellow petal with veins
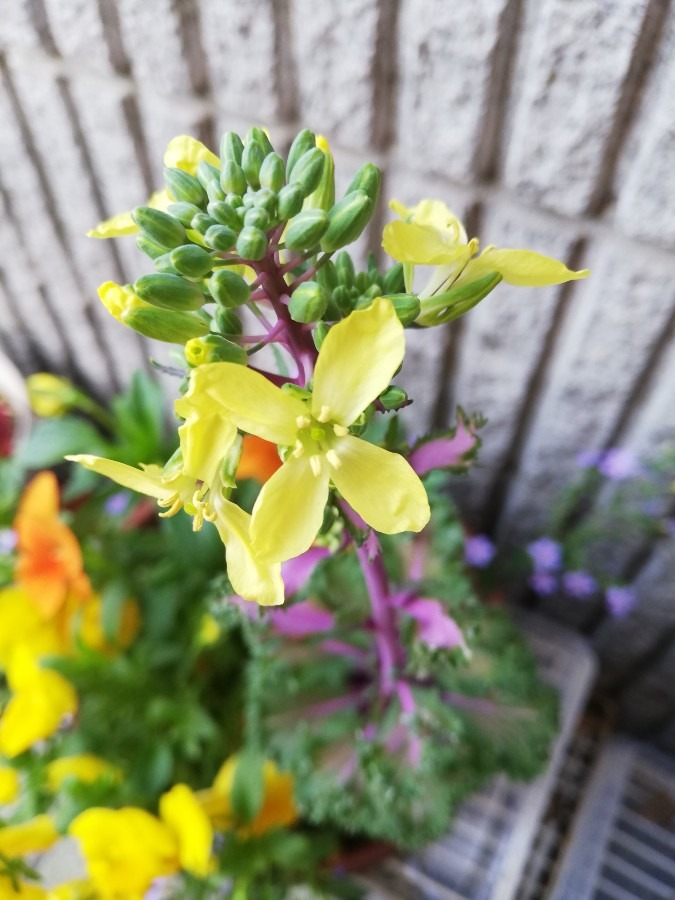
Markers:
(521, 267)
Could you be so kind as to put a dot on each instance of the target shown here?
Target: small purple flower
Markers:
(618, 464)
(588, 459)
(543, 583)
(546, 554)
(435, 628)
(579, 585)
(479, 551)
(620, 600)
(8, 539)
(117, 504)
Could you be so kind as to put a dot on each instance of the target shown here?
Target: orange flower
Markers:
(49, 567)
(259, 459)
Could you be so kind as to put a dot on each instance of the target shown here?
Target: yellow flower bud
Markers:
(50, 395)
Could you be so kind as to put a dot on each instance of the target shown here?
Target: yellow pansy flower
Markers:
(9, 784)
(430, 234)
(81, 889)
(356, 363)
(34, 836)
(204, 500)
(278, 808)
(126, 849)
(21, 622)
(84, 767)
(40, 700)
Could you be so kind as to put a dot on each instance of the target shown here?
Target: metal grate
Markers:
(485, 854)
(622, 846)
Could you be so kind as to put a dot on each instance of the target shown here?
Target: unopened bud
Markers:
(308, 302)
(251, 243)
(305, 230)
(260, 137)
(407, 306)
(51, 395)
(307, 171)
(119, 299)
(159, 226)
(327, 276)
(368, 179)
(346, 221)
(169, 292)
(228, 288)
(251, 161)
(343, 299)
(232, 178)
(231, 147)
(265, 199)
(393, 398)
(164, 263)
(183, 187)
(345, 269)
(452, 304)
(209, 178)
(224, 214)
(184, 212)
(289, 201)
(220, 237)
(393, 280)
(214, 348)
(258, 217)
(272, 172)
(171, 326)
(227, 321)
(319, 334)
(323, 196)
(150, 248)
(191, 260)
(302, 142)
(201, 223)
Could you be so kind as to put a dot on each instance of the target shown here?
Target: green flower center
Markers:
(316, 438)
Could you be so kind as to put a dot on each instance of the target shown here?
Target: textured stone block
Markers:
(616, 318)
(18, 31)
(151, 35)
(78, 32)
(575, 57)
(334, 56)
(239, 41)
(645, 187)
(445, 79)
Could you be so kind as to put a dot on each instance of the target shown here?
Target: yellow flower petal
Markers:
(381, 487)
(357, 361)
(436, 214)
(278, 807)
(26, 891)
(185, 152)
(522, 267)
(84, 767)
(255, 404)
(289, 510)
(33, 836)
(206, 435)
(421, 244)
(9, 784)
(146, 481)
(116, 226)
(251, 578)
(119, 299)
(124, 849)
(22, 623)
(80, 889)
(180, 810)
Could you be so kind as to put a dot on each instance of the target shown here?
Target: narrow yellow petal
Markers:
(251, 578)
(9, 784)
(421, 244)
(522, 267)
(289, 510)
(146, 481)
(381, 487)
(179, 809)
(357, 361)
(116, 226)
(185, 152)
(33, 836)
(254, 403)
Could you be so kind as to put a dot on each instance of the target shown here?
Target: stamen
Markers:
(299, 449)
(324, 415)
(172, 505)
(333, 459)
(315, 463)
(303, 421)
(198, 520)
(340, 430)
(210, 515)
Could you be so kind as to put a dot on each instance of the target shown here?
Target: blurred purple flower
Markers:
(579, 585)
(479, 551)
(117, 504)
(301, 619)
(588, 459)
(8, 539)
(618, 464)
(546, 554)
(435, 627)
(620, 600)
(297, 571)
(543, 583)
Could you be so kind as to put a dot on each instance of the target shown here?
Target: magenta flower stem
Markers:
(386, 634)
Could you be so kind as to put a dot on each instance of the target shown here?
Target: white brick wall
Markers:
(549, 121)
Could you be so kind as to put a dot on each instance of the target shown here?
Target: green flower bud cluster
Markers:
(338, 290)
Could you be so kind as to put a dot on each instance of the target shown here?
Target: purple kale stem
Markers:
(386, 634)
